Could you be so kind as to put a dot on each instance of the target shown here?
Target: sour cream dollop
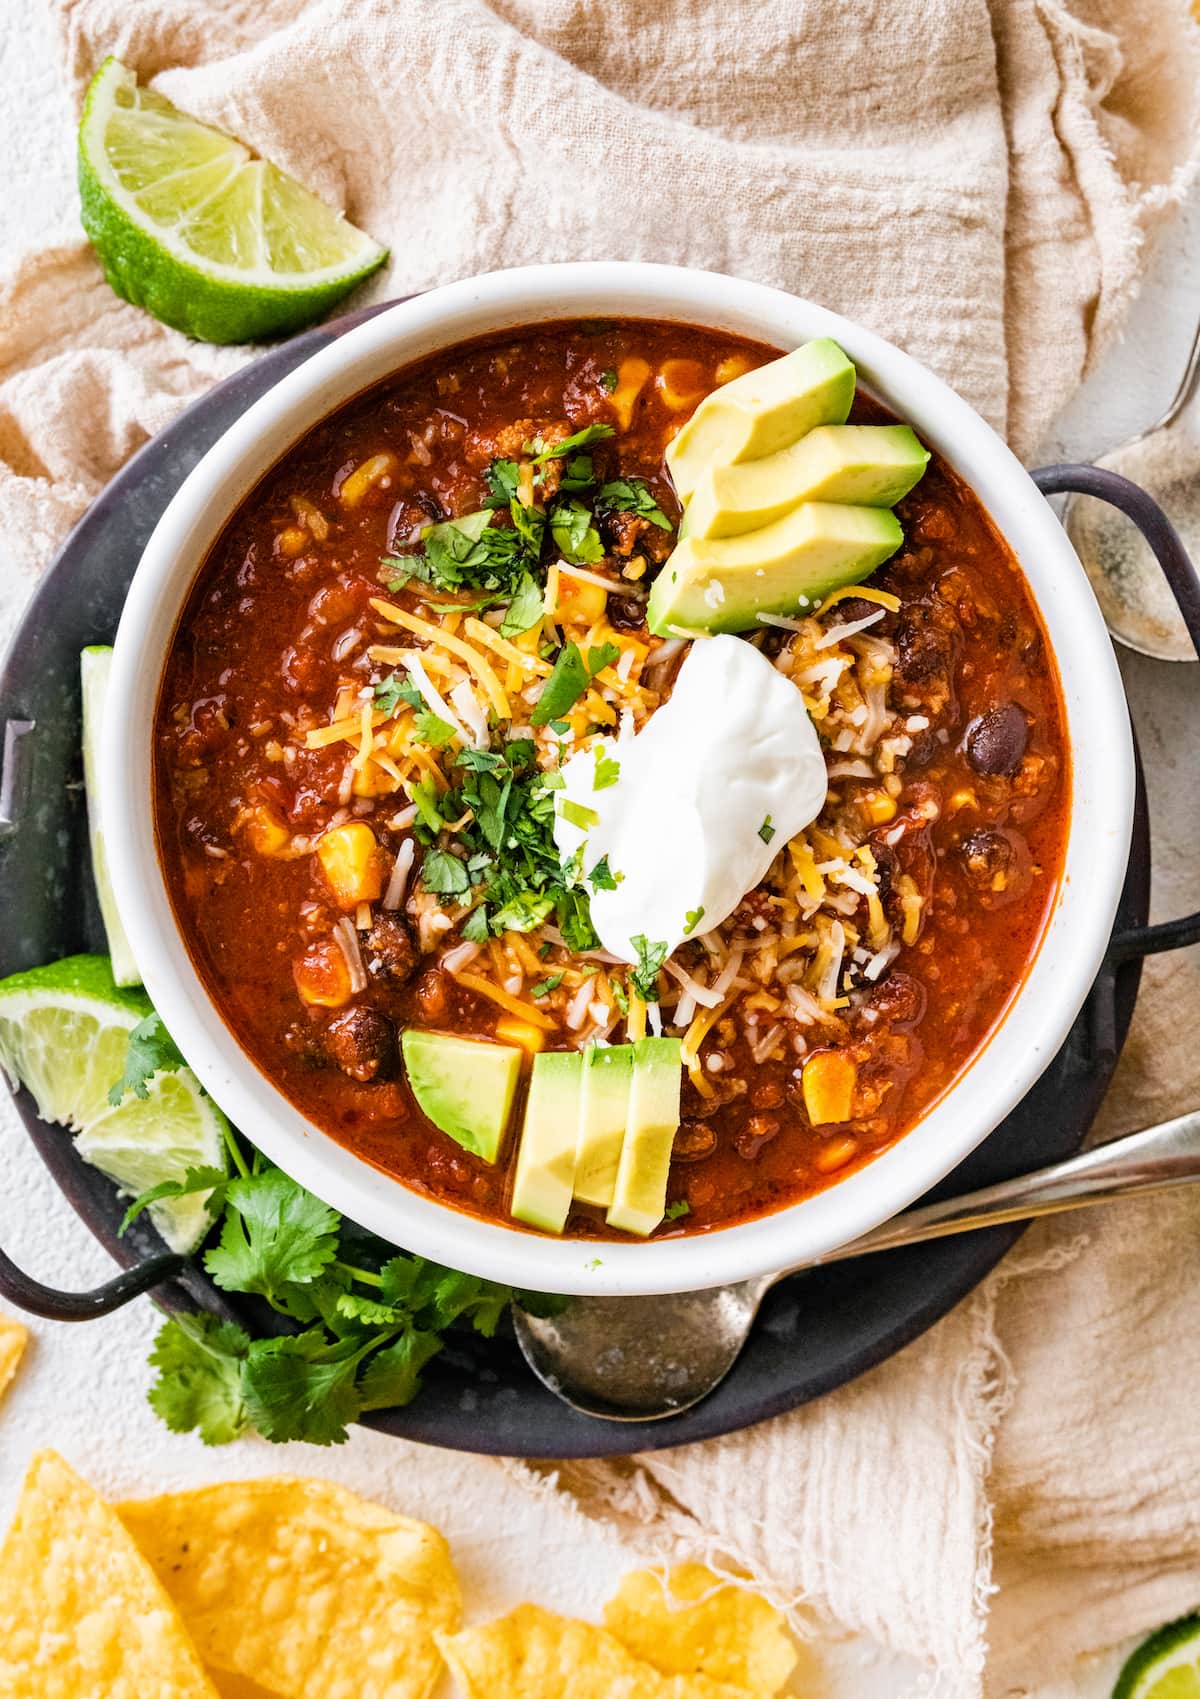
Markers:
(702, 800)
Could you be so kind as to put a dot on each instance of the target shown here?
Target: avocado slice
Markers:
(640, 1195)
(868, 465)
(545, 1177)
(762, 411)
(713, 584)
(607, 1074)
(464, 1085)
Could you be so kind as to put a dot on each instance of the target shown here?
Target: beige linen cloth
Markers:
(973, 178)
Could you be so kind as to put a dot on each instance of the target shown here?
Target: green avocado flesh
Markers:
(465, 1086)
(607, 1074)
(545, 1179)
(864, 465)
(640, 1194)
(725, 583)
(763, 411)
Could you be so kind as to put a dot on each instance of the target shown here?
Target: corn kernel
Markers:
(322, 977)
(731, 368)
(835, 1155)
(828, 1084)
(636, 568)
(681, 383)
(579, 603)
(364, 478)
(879, 808)
(265, 828)
(373, 780)
(352, 864)
(961, 799)
(631, 380)
(290, 542)
(509, 1030)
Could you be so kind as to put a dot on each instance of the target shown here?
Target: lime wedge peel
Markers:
(191, 226)
(64, 1033)
(94, 666)
(1166, 1666)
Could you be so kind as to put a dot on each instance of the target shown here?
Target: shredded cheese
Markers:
(435, 635)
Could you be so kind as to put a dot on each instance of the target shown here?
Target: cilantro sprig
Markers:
(357, 1323)
(152, 1050)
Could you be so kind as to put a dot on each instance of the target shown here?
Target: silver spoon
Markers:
(643, 1359)
(1134, 597)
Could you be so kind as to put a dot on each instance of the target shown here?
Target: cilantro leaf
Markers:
(152, 1050)
(444, 874)
(619, 997)
(200, 1359)
(677, 1210)
(210, 1180)
(525, 609)
(502, 477)
(523, 912)
(429, 728)
(575, 535)
(302, 1386)
(578, 815)
(650, 958)
(424, 796)
(544, 987)
(393, 1375)
(601, 878)
(608, 380)
(275, 1235)
(393, 690)
(581, 439)
(691, 920)
(608, 770)
(631, 495)
(475, 928)
(569, 679)
(766, 831)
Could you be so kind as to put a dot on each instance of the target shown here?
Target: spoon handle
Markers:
(1150, 1161)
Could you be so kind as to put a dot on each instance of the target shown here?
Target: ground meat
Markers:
(627, 534)
(998, 864)
(390, 950)
(928, 638)
(362, 1042)
(693, 1142)
(899, 999)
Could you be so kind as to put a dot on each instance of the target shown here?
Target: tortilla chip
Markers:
(81, 1613)
(14, 1336)
(533, 1654)
(236, 1686)
(702, 1625)
(303, 1587)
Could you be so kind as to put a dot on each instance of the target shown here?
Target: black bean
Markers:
(996, 742)
(999, 865)
(363, 1044)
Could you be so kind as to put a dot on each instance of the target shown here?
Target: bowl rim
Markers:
(1039, 1015)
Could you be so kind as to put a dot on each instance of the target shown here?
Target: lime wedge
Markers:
(64, 1033)
(94, 665)
(191, 226)
(1167, 1666)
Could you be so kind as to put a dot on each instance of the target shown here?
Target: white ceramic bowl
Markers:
(1041, 1013)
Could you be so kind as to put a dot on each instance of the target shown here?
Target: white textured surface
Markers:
(81, 1388)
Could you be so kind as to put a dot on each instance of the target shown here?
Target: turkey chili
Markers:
(436, 599)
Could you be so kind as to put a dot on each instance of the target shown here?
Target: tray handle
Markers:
(38, 1300)
(1164, 543)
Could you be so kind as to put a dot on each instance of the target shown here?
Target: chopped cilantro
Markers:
(394, 689)
(544, 987)
(562, 727)
(569, 680)
(152, 1051)
(524, 912)
(632, 495)
(608, 380)
(558, 450)
(429, 728)
(474, 553)
(444, 874)
(525, 609)
(475, 927)
(650, 958)
(677, 1210)
(691, 921)
(424, 795)
(575, 535)
(579, 474)
(619, 997)
(766, 831)
(578, 815)
(502, 478)
(608, 770)
(601, 878)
